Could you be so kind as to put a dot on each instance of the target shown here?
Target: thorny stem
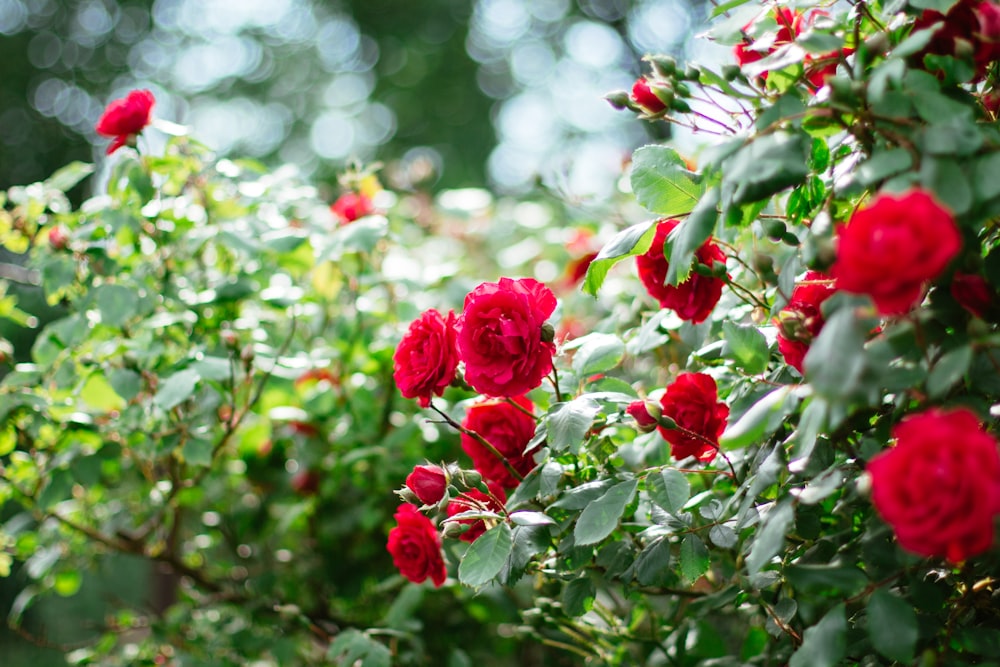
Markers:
(480, 439)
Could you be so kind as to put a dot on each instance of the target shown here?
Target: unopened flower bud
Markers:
(407, 496)
(548, 333)
(730, 72)
(663, 65)
(58, 237)
(619, 99)
(645, 413)
(692, 73)
(644, 96)
(666, 422)
(471, 478)
(454, 529)
(429, 483)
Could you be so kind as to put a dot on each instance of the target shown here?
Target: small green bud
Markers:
(663, 65)
(666, 422)
(682, 90)
(680, 105)
(692, 73)
(619, 99)
(548, 333)
(731, 72)
(774, 228)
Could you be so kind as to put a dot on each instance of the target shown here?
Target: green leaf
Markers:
(599, 353)
(984, 181)
(824, 644)
(65, 178)
(100, 395)
(688, 236)
(946, 179)
(578, 596)
(198, 452)
(694, 560)
(892, 626)
(834, 580)
(768, 164)
(836, 359)
(58, 489)
(770, 539)
(528, 541)
(528, 518)
(653, 562)
(486, 556)
(176, 389)
(723, 536)
(662, 183)
(117, 304)
(669, 489)
(352, 647)
(568, 423)
(949, 369)
(882, 165)
(762, 419)
(627, 243)
(748, 347)
(600, 518)
(126, 383)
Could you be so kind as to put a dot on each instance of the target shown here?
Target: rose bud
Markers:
(645, 413)
(58, 237)
(429, 483)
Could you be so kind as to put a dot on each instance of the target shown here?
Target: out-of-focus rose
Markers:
(801, 320)
(426, 359)
(416, 547)
(973, 293)
(939, 486)
(789, 22)
(477, 501)
(506, 427)
(891, 248)
(125, 118)
(969, 26)
(502, 337)
(350, 206)
(693, 299)
(692, 402)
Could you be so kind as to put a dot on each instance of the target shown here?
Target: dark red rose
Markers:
(939, 487)
(416, 547)
(801, 320)
(789, 25)
(506, 427)
(693, 299)
(477, 501)
(893, 247)
(642, 413)
(968, 24)
(501, 337)
(644, 96)
(427, 357)
(973, 293)
(692, 401)
(306, 482)
(350, 206)
(125, 118)
(428, 483)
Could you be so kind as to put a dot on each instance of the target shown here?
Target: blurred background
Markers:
(448, 93)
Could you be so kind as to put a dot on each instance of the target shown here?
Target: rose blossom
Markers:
(474, 500)
(801, 320)
(501, 337)
(891, 248)
(693, 299)
(968, 22)
(427, 356)
(506, 427)
(973, 293)
(939, 487)
(350, 206)
(789, 22)
(124, 118)
(644, 96)
(428, 483)
(692, 402)
(416, 547)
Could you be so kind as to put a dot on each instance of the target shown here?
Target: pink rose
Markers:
(350, 206)
(125, 118)
(801, 320)
(502, 336)
(506, 427)
(939, 487)
(426, 359)
(693, 299)
(416, 547)
(891, 248)
(473, 501)
(692, 402)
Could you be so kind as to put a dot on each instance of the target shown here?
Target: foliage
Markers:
(218, 398)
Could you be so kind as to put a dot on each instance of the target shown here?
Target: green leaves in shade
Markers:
(355, 647)
(767, 165)
(748, 347)
(599, 353)
(824, 644)
(629, 242)
(486, 556)
(771, 537)
(600, 518)
(568, 423)
(694, 560)
(949, 369)
(662, 183)
(836, 358)
(892, 626)
(176, 389)
(669, 489)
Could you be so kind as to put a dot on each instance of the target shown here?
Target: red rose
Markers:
(789, 26)
(822, 67)
(641, 412)
(939, 487)
(350, 206)
(891, 248)
(693, 299)
(644, 96)
(58, 237)
(416, 547)
(692, 402)
(501, 337)
(124, 118)
(477, 501)
(427, 356)
(801, 320)
(969, 22)
(428, 483)
(973, 293)
(506, 427)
